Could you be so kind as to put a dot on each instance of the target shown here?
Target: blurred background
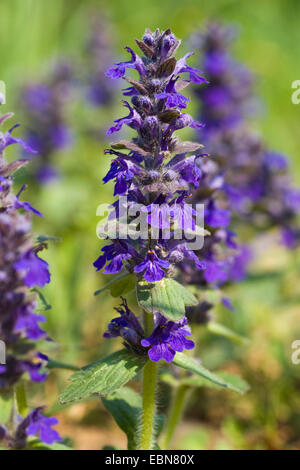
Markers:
(68, 45)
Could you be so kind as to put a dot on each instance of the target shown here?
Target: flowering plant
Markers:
(257, 180)
(153, 178)
(22, 272)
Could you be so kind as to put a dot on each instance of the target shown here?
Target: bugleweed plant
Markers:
(150, 228)
(22, 273)
(47, 130)
(252, 181)
(257, 181)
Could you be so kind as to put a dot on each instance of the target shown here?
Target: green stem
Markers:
(149, 386)
(21, 401)
(175, 413)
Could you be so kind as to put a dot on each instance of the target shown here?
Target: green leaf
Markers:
(43, 304)
(60, 365)
(233, 382)
(188, 363)
(126, 407)
(221, 330)
(166, 296)
(169, 379)
(6, 404)
(36, 444)
(103, 377)
(46, 238)
(120, 285)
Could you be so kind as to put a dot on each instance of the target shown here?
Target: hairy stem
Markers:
(149, 387)
(174, 415)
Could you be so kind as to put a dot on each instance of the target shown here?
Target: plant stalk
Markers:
(175, 413)
(149, 387)
(21, 400)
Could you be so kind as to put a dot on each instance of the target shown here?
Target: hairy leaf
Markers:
(6, 404)
(51, 364)
(124, 144)
(233, 382)
(167, 67)
(126, 407)
(136, 85)
(103, 377)
(187, 146)
(169, 115)
(188, 363)
(120, 285)
(166, 296)
(148, 51)
(221, 330)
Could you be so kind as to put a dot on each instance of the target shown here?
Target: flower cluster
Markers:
(148, 175)
(156, 181)
(46, 128)
(257, 181)
(21, 269)
(166, 338)
(99, 91)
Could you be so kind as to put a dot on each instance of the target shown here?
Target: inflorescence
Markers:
(21, 272)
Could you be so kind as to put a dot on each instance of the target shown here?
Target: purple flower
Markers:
(7, 139)
(239, 267)
(47, 130)
(34, 269)
(216, 271)
(159, 213)
(227, 304)
(168, 46)
(215, 216)
(188, 168)
(17, 204)
(132, 120)
(28, 323)
(34, 371)
(14, 369)
(172, 97)
(116, 254)
(120, 69)
(127, 326)
(167, 338)
(61, 136)
(185, 120)
(194, 74)
(152, 265)
(290, 237)
(123, 171)
(276, 161)
(47, 173)
(38, 97)
(37, 424)
(26, 206)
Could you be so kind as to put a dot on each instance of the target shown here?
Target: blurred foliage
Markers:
(32, 34)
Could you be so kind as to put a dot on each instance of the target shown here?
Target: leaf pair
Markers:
(108, 375)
